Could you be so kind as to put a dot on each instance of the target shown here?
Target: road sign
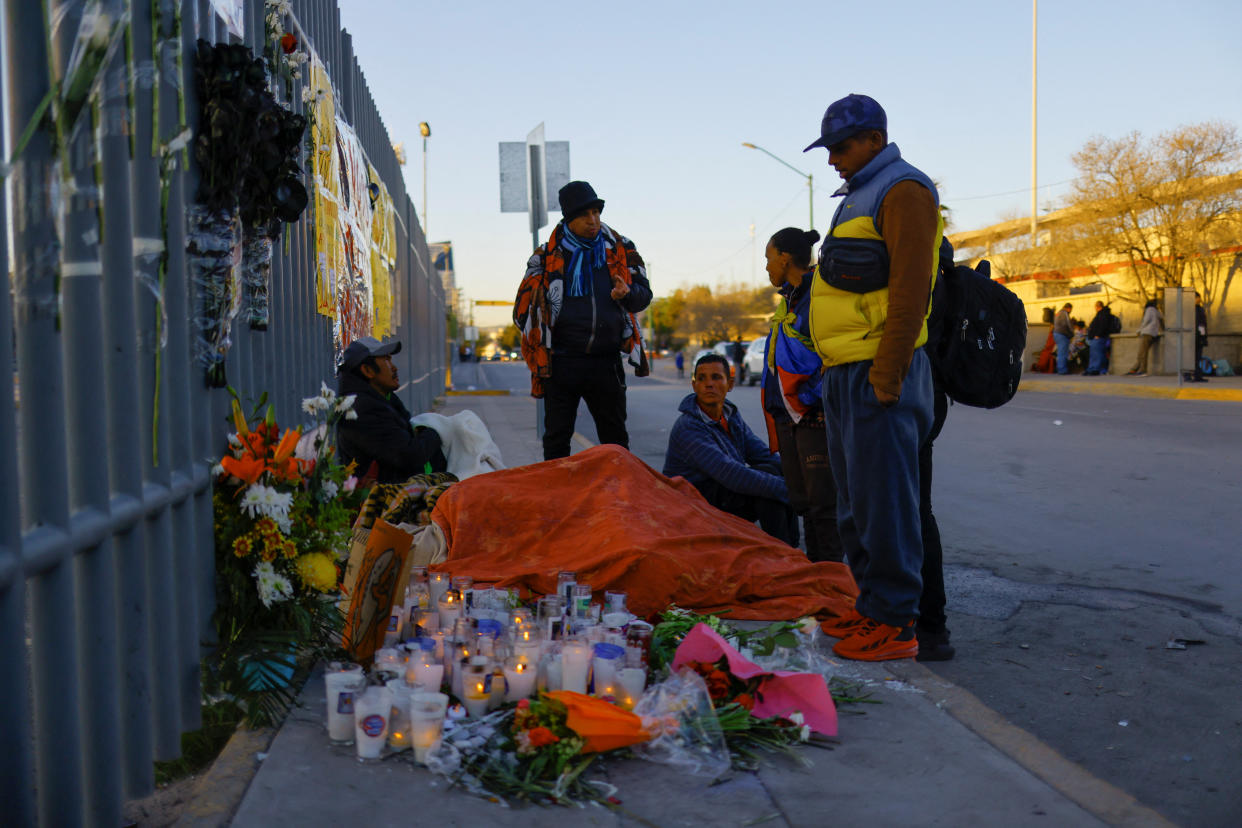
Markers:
(531, 173)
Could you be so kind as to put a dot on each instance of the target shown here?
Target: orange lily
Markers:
(246, 469)
(286, 446)
(239, 419)
(602, 725)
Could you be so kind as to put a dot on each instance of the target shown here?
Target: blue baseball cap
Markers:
(849, 116)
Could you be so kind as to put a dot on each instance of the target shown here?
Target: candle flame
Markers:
(478, 687)
(521, 667)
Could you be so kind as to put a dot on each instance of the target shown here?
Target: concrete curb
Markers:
(219, 792)
(1099, 798)
(487, 392)
(1114, 389)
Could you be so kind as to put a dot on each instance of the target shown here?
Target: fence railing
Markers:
(106, 551)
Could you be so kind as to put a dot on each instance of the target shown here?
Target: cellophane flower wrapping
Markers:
(678, 715)
(782, 692)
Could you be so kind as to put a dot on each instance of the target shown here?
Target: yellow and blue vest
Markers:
(849, 294)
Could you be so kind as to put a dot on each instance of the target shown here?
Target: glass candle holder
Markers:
(389, 659)
(638, 644)
(425, 670)
(343, 680)
(551, 614)
(608, 658)
(476, 675)
(399, 716)
(580, 605)
(631, 681)
(575, 663)
(371, 712)
(565, 581)
(450, 608)
(520, 619)
(438, 583)
(426, 723)
(520, 677)
(464, 584)
(614, 600)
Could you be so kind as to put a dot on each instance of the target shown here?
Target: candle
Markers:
(519, 679)
(399, 716)
(389, 659)
(342, 681)
(550, 672)
(371, 712)
(580, 606)
(615, 619)
(631, 680)
(427, 671)
(575, 660)
(426, 722)
(450, 608)
(565, 581)
(438, 584)
(614, 601)
(607, 657)
(476, 698)
(528, 651)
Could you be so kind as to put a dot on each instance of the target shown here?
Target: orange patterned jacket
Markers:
(535, 310)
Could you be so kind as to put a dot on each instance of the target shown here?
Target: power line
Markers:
(1011, 192)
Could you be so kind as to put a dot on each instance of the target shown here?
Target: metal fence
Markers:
(106, 554)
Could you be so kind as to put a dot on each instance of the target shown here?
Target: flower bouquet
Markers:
(283, 509)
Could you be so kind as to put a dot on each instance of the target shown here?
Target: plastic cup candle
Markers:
(614, 601)
(450, 608)
(565, 581)
(342, 681)
(426, 723)
(631, 681)
(575, 661)
(520, 678)
(389, 659)
(371, 712)
(551, 616)
(464, 584)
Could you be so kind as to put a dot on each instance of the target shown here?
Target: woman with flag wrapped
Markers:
(792, 405)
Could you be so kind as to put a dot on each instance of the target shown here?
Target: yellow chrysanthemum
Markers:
(241, 546)
(317, 571)
(290, 548)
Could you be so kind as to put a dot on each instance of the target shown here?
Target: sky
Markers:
(656, 99)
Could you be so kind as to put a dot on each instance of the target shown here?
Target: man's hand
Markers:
(886, 399)
(620, 289)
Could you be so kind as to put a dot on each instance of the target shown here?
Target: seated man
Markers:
(711, 446)
(381, 441)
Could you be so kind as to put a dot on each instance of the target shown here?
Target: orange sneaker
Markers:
(846, 625)
(874, 641)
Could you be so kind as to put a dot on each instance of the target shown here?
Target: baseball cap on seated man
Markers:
(366, 347)
(848, 117)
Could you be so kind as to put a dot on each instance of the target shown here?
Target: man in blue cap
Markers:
(869, 306)
(576, 308)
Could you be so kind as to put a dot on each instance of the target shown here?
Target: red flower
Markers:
(289, 42)
(541, 736)
(523, 704)
(745, 700)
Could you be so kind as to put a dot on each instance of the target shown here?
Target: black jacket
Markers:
(1101, 324)
(382, 434)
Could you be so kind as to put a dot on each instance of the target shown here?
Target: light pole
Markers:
(424, 129)
(810, 179)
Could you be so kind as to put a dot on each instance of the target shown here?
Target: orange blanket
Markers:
(619, 524)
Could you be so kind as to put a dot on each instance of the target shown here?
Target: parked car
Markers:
(733, 352)
(754, 361)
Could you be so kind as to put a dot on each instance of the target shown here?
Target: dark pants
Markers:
(775, 516)
(598, 380)
(1199, 346)
(875, 462)
(812, 492)
(931, 603)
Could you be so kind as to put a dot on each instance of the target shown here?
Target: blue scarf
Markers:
(585, 257)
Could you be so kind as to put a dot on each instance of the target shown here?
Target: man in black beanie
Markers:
(576, 308)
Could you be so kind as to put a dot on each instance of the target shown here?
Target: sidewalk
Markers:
(1227, 389)
(929, 754)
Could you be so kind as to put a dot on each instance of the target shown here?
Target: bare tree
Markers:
(1159, 204)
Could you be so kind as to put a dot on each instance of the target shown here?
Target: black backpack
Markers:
(976, 334)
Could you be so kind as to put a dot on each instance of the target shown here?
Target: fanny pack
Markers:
(854, 265)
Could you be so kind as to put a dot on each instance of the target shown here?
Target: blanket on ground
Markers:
(621, 525)
(467, 444)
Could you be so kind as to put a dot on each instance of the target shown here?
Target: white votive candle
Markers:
(575, 661)
(371, 713)
(631, 680)
(520, 678)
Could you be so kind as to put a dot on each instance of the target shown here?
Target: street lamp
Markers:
(810, 179)
(424, 129)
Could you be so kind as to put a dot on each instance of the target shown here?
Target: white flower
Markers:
(308, 405)
(326, 392)
(346, 403)
(329, 491)
(295, 73)
(260, 500)
(273, 587)
(797, 718)
(805, 733)
(308, 94)
(807, 625)
(217, 470)
(351, 414)
(235, 441)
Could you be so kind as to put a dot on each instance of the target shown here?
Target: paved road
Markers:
(1081, 534)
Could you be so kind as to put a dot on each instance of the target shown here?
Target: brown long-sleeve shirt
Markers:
(907, 220)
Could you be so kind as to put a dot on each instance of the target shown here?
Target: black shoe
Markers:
(934, 646)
